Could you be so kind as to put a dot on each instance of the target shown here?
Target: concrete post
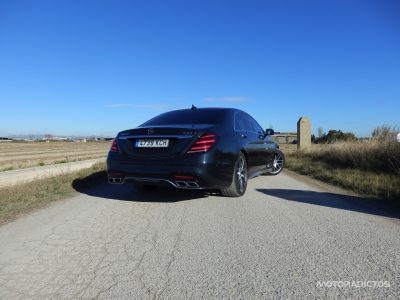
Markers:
(304, 134)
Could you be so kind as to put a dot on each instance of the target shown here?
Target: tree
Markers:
(320, 132)
(336, 136)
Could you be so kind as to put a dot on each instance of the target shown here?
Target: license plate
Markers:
(152, 143)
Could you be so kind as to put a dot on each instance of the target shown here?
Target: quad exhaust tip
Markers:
(187, 184)
(115, 180)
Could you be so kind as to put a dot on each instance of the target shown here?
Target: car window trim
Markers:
(245, 115)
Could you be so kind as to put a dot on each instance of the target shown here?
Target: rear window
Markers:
(197, 116)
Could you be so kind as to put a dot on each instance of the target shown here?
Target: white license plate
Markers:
(152, 143)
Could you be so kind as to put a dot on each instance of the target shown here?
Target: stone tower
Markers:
(304, 134)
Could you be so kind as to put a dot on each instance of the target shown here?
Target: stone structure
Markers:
(303, 134)
(285, 137)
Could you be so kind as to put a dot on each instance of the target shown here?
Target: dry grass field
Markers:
(17, 200)
(369, 168)
(17, 155)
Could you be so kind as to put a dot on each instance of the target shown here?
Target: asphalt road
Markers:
(277, 241)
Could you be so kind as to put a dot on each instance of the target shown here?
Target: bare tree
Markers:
(320, 132)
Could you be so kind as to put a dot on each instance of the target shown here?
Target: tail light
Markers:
(114, 146)
(203, 144)
(184, 177)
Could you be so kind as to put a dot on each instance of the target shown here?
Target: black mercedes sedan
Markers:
(197, 148)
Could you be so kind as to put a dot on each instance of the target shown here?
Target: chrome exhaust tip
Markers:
(115, 180)
(180, 184)
(192, 184)
(187, 184)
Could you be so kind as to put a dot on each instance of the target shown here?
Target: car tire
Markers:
(278, 163)
(239, 178)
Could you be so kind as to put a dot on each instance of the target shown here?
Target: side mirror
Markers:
(269, 131)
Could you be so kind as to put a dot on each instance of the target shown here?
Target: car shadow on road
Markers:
(99, 187)
(352, 203)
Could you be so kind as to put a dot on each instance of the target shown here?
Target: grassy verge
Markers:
(341, 166)
(15, 165)
(22, 198)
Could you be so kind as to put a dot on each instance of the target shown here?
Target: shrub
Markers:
(385, 133)
(337, 136)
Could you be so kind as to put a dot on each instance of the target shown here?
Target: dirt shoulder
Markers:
(365, 201)
(319, 184)
(14, 177)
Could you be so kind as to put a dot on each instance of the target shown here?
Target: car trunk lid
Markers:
(160, 141)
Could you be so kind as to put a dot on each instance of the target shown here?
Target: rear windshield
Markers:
(197, 116)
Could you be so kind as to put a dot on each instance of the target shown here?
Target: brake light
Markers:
(115, 174)
(114, 146)
(203, 144)
(183, 177)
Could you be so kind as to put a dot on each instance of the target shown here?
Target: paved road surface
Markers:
(14, 177)
(277, 241)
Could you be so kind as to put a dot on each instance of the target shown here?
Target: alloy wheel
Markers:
(242, 174)
(278, 163)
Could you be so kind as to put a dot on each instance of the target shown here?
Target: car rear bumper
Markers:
(189, 172)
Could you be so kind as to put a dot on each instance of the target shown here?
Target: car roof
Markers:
(201, 109)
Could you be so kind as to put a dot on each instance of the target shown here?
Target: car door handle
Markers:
(243, 136)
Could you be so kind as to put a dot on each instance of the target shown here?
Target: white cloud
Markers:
(230, 99)
(152, 106)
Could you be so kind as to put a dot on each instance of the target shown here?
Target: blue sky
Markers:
(97, 67)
